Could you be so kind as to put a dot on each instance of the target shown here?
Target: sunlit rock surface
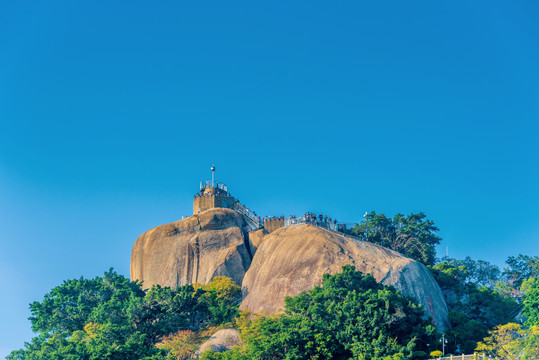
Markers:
(192, 250)
(293, 259)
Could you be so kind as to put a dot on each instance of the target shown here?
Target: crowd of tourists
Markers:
(268, 218)
(311, 218)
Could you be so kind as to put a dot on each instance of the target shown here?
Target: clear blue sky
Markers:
(111, 113)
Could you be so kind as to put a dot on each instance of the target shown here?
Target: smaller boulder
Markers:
(222, 340)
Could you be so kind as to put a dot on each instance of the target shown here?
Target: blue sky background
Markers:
(111, 114)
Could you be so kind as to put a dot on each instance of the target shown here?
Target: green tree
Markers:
(221, 297)
(412, 235)
(465, 332)
(72, 305)
(478, 272)
(162, 311)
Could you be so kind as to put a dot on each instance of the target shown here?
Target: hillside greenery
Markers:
(482, 299)
(348, 316)
(474, 308)
(110, 317)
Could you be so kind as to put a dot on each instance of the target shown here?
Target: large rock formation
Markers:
(293, 259)
(196, 249)
(287, 261)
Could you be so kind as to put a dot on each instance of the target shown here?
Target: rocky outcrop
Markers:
(196, 249)
(222, 340)
(293, 259)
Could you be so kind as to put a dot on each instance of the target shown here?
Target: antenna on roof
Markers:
(212, 175)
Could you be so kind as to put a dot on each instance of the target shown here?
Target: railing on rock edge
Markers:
(322, 224)
(341, 228)
(334, 226)
(255, 221)
(213, 184)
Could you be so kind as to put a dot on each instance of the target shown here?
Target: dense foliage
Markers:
(111, 317)
(512, 340)
(474, 308)
(349, 316)
(412, 235)
(482, 299)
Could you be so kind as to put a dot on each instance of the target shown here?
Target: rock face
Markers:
(256, 238)
(196, 249)
(293, 259)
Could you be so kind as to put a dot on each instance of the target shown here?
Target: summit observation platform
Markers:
(214, 194)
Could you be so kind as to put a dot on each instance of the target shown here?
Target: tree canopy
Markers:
(412, 235)
(111, 317)
(476, 272)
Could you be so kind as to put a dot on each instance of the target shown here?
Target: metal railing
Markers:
(474, 356)
(323, 224)
(255, 220)
(213, 184)
(344, 229)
